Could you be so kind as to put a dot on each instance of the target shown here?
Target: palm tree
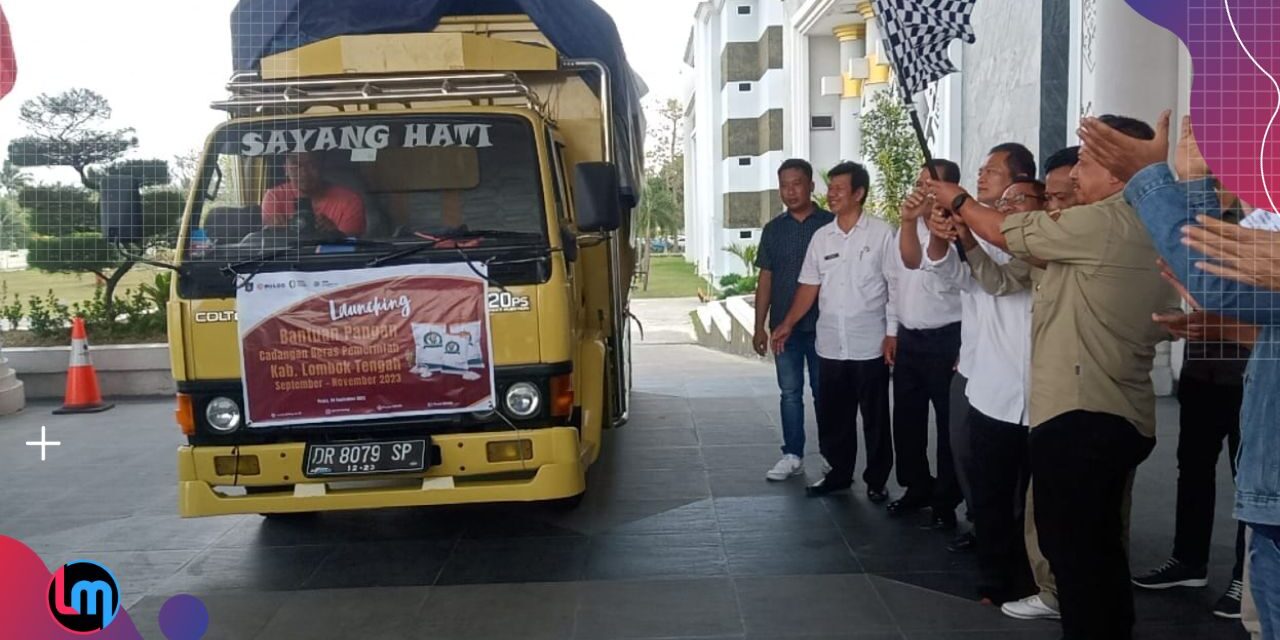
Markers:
(747, 254)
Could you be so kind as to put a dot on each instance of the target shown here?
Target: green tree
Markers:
(70, 130)
(66, 130)
(889, 143)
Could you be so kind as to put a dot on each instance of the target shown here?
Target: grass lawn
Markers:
(671, 277)
(69, 287)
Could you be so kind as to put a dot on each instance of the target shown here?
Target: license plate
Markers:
(359, 458)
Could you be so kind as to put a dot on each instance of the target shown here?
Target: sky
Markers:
(161, 62)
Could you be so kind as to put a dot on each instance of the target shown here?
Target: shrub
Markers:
(12, 312)
(48, 317)
(737, 285)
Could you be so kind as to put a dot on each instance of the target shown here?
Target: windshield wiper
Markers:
(431, 242)
(262, 259)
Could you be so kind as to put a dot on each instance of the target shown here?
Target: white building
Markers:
(1037, 66)
(734, 128)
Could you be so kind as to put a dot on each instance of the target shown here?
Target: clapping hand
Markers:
(1250, 256)
(1122, 155)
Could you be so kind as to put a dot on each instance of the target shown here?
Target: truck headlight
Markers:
(223, 414)
(523, 400)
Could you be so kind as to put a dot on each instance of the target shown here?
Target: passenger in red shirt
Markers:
(337, 208)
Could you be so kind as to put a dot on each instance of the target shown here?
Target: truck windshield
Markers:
(368, 181)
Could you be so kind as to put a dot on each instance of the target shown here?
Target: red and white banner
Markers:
(340, 346)
(8, 63)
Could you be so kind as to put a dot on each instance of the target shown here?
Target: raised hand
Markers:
(1251, 256)
(1120, 154)
(916, 205)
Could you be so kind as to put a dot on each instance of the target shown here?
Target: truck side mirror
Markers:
(121, 209)
(596, 204)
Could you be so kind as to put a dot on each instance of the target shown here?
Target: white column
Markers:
(1128, 66)
(1134, 63)
(853, 49)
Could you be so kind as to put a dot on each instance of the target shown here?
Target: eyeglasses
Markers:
(1017, 200)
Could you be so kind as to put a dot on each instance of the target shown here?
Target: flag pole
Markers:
(908, 102)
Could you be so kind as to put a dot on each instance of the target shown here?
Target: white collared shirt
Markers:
(1261, 219)
(857, 274)
(925, 299)
(1000, 353)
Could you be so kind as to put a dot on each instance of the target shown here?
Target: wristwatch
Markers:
(959, 202)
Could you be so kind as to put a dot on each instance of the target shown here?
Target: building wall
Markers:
(824, 146)
(737, 135)
(1001, 82)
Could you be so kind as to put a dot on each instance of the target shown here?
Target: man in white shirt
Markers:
(850, 270)
(928, 346)
(997, 392)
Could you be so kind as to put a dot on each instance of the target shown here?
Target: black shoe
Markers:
(908, 503)
(1229, 604)
(1174, 574)
(825, 487)
(962, 543)
(939, 523)
(877, 496)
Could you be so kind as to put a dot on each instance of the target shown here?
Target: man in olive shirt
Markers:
(1092, 402)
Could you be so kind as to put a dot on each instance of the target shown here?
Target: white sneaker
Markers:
(826, 466)
(790, 465)
(1030, 608)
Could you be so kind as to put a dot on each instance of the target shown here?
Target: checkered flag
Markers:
(918, 33)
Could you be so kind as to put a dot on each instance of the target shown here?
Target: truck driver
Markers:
(334, 207)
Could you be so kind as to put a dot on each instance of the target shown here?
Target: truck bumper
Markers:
(555, 470)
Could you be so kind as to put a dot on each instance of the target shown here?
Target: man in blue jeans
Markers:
(781, 253)
(1167, 206)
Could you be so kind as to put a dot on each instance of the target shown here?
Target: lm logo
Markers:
(84, 597)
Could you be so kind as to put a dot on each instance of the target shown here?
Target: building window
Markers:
(744, 162)
(744, 235)
(744, 86)
(822, 123)
(744, 9)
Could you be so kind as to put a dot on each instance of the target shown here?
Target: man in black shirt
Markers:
(781, 253)
(1210, 391)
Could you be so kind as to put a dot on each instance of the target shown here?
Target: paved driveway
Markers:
(679, 537)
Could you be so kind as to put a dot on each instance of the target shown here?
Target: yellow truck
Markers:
(403, 272)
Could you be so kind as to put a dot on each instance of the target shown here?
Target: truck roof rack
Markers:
(250, 95)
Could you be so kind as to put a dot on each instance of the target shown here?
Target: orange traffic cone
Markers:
(82, 381)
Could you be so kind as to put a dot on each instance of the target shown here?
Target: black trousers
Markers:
(922, 376)
(1210, 414)
(846, 387)
(998, 493)
(1081, 463)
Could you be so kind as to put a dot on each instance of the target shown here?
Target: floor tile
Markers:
(516, 560)
(232, 615)
(499, 612)
(382, 564)
(680, 555)
(255, 569)
(772, 513)
(918, 609)
(794, 606)
(658, 609)
(789, 552)
(381, 612)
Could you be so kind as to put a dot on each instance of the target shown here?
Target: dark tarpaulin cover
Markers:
(578, 28)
